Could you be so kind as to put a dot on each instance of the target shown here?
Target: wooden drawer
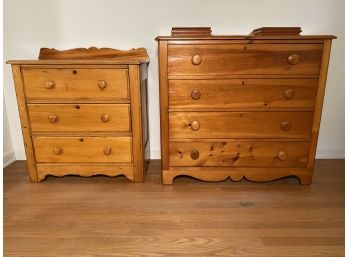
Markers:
(240, 124)
(247, 153)
(75, 84)
(79, 117)
(231, 93)
(244, 59)
(83, 149)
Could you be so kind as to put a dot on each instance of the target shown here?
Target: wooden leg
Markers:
(40, 177)
(167, 177)
(305, 179)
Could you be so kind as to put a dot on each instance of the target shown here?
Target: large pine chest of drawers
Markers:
(241, 106)
(84, 112)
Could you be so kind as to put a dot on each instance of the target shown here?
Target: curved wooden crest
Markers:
(91, 53)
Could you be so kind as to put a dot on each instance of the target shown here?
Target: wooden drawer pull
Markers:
(294, 59)
(57, 150)
(101, 84)
(289, 93)
(107, 150)
(49, 84)
(195, 125)
(53, 118)
(194, 154)
(282, 155)
(196, 59)
(195, 94)
(285, 125)
(105, 118)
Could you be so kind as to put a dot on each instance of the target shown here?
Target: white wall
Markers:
(8, 151)
(63, 24)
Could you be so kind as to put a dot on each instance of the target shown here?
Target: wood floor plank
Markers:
(103, 217)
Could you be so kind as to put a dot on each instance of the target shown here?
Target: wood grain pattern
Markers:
(254, 174)
(102, 216)
(79, 117)
(268, 85)
(241, 153)
(193, 31)
(240, 38)
(319, 103)
(84, 170)
(76, 84)
(244, 93)
(83, 149)
(91, 53)
(117, 61)
(80, 108)
(240, 124)
(25, 123)
(163, 88)
(244, 59)
(278, 31)
(137, 127)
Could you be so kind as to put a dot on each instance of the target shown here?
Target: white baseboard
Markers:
(330, 153)
(155, 154)
(20, 155)
(8, 158)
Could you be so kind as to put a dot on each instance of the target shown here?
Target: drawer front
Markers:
(243, 59)
(83, 149)
(79, 117)
(231, 93)
(247, 153)
(76, 84)
(240, 124)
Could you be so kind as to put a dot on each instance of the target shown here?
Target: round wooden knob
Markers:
(107, 150)
(289, 93)
(282, 155)
(101, 84)
(53, 118)
(285, 125)
(194, 154)
(294, 59)
(195, 125)
(105, 118)
(196, 59)
(195, 94)
(57, 150)
(49, 84)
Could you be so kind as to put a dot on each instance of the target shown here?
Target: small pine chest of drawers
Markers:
(84, 112)
(241, 106)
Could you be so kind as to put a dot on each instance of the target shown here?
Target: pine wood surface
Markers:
(234, 93)
(319, 103)
(136, 122)
(268, 85)
(75, 83)
(79, 117)
(239, 124)
(244, 153)
(163, 94)
(83, 149)
(83, 107)
(92, 53)
(85, 169)
(25, 122)
(102, 216)
(251, 59)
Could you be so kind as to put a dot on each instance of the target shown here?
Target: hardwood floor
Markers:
(102, 216)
